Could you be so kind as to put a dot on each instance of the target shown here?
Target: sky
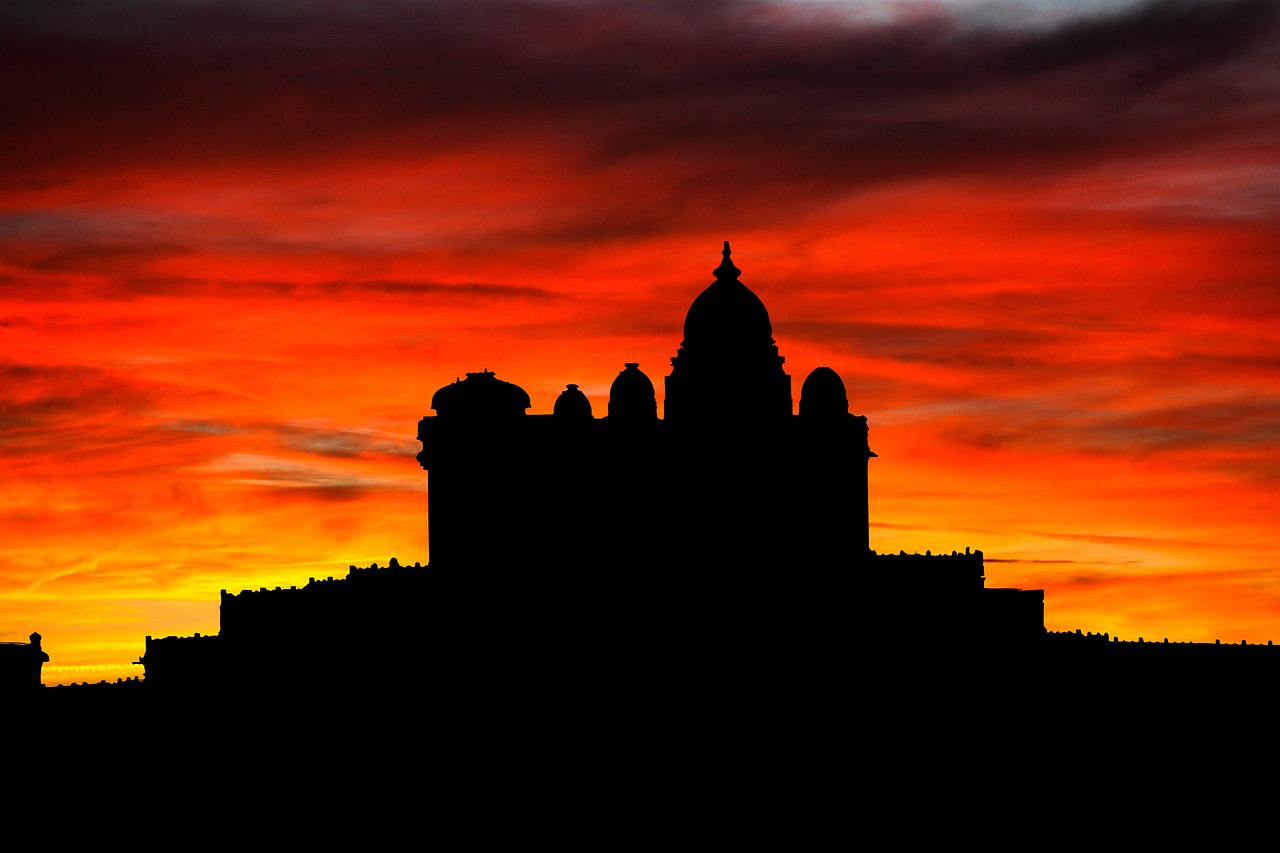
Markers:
(242, 244)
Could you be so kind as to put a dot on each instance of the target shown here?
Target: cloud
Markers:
(322, 440)
(93, 240)
(1067, 562)
(71, 425)
(1258, 578)
(647, 117)
(1135, 541)
(460, 290)
(1224, 425)
(1252, 423)
(100, 258)
(978, 346)
(273, 472)
(469, 293)
(201, 427)
(36, 398)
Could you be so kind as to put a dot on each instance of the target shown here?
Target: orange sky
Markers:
(239, 251)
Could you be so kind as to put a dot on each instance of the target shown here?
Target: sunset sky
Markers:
(242, 243)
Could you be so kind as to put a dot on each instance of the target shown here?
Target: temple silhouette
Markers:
(714, 550)
(734, 527)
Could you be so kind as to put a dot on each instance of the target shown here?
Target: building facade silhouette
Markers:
(731, 480)
(734, 504)
(720, 552)
(735, 528)
(729, 534)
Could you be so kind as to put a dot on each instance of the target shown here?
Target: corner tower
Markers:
(476, 449)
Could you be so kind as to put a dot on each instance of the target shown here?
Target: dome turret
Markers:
(480, 395)
(572, 403)
(631, 396)
(823, 394)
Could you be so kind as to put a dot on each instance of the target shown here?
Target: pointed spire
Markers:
(726, 271)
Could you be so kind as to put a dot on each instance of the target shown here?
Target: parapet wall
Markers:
(1166, 677)
(945, 573)
(346, 606)
(1116, 646)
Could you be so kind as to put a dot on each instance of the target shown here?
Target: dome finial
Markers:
(726, 270)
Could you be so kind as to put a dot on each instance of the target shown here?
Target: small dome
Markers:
(572, 403)
(631, 397)
(823, 394)
(480, 395)
(727, 313)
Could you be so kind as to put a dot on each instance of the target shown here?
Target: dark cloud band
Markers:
(701, 98)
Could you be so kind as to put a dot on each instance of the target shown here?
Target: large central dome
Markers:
(727, 367)
(727, 315)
